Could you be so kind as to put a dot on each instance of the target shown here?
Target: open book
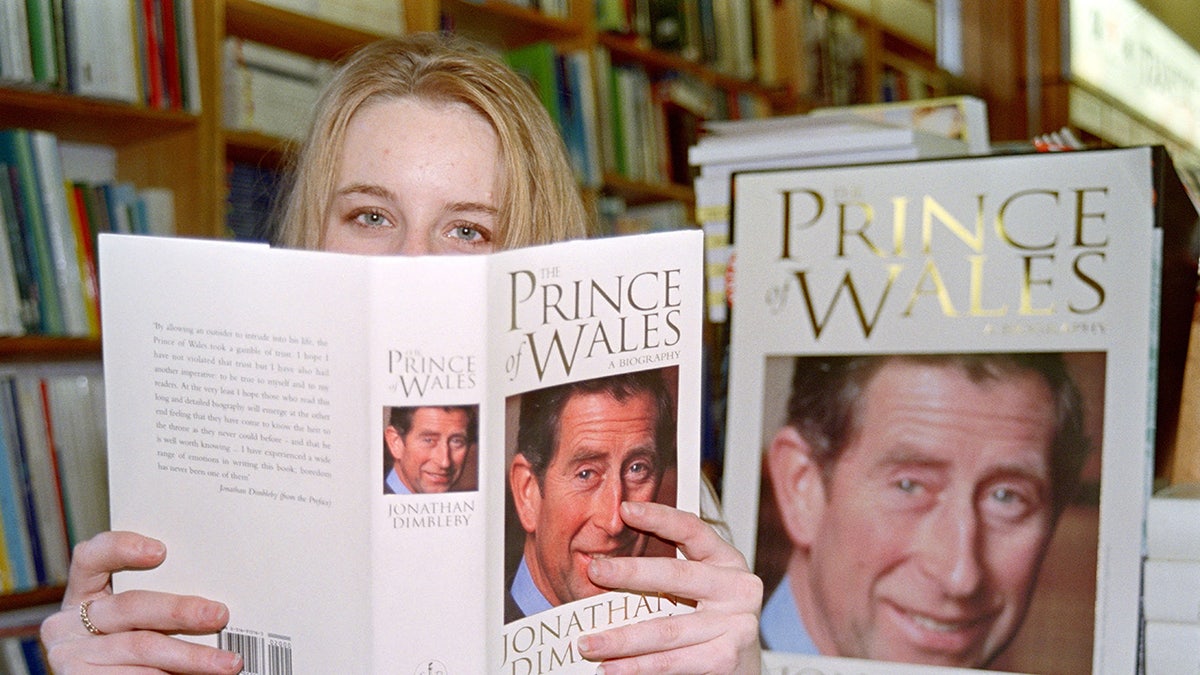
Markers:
(945, 382)
(268, 410)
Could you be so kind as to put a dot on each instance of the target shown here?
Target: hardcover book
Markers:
(381, 463)
(944, 379)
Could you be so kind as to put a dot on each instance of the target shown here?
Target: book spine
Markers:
(15, 65)
(149, 53)
(43, 53)
(170, 53)
(12, 264)
(59, 231)
(19, 569)
(189, 69)
(85, 255)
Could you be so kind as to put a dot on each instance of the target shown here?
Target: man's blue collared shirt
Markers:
(526, 594)
(781, 626)
(398, 487)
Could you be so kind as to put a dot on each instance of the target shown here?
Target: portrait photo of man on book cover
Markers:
(910, 505)
(576, 451)
(430, 449)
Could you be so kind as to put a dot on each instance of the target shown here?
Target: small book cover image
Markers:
(430, 449)
(946, 378)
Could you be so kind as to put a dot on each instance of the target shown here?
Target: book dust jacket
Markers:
(328, 443)
(942, 406)
(601, 382)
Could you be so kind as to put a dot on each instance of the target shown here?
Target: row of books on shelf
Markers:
(53, 476)
(811, 48)
(270, 90)
(136, 51)
(1171, 581)
(48, 282)
(718, 33)
(618, 118)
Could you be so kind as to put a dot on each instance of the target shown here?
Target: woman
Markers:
(426, 145)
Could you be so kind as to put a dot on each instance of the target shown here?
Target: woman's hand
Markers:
(721, 636)
(134, 627)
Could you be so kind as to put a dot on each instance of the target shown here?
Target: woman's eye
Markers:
(470, 234)
(371, 219)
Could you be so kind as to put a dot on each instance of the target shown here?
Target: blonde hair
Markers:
(537, 197)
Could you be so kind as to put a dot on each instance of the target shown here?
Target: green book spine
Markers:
(536, 62)
(42, 48)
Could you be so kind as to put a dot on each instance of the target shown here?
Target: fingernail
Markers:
(153, 547)
(600, 569)
(584, 644)
(215, 612)
(229, 661)
(634, 508)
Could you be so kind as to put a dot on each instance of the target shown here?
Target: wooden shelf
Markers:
(508, 25)
(40, 348)
(41, 596)
(89, 120)
(256, 148)
(291, 31)
(642, 192)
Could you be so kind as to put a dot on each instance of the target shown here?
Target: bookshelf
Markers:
(188, 152)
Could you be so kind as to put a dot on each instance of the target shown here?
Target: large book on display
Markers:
(251, 395)
(910, 340)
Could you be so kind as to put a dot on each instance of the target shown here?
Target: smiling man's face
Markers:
(934, 520)
(606, 454)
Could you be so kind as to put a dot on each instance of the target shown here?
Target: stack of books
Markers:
(1171, 583)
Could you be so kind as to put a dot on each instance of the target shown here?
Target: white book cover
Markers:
(941, 408)
(1173, 524)
(1171, 590)
(1171, 648)
(796, 135)
(253, 397)
(962, 118)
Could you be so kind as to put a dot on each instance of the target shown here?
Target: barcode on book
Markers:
(262, 653)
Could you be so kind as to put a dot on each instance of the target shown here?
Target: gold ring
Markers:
(87, 623)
